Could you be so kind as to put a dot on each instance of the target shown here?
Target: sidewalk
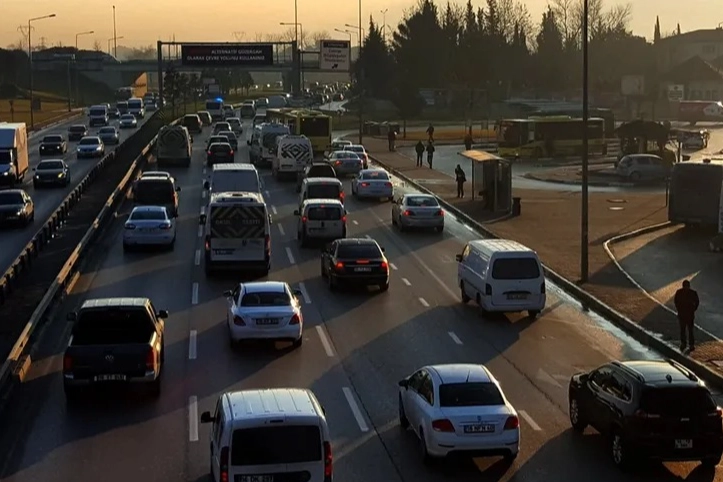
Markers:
(601, 174)
(550, 224)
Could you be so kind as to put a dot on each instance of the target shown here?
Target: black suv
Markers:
(648, 409)
(355, 261)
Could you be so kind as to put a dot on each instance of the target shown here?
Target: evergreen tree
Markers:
(656, 34)
(677, 30)
(374, 64)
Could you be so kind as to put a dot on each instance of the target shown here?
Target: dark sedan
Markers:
(219, 153)
(16, 208)
(51, 172)
(355, 261)
(77, 132)
(54, 144)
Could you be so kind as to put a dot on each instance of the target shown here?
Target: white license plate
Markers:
(483, 428)
(267, 321)
(363, 269)
(684, 444)
(255, 478)
(110, 378)
(517, 296)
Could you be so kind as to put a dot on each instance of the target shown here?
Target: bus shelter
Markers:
(491, 179)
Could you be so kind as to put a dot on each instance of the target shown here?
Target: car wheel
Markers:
(634, 176)
(384, 287)
(510, 457)
(533, 313)
(298, 343)
(403, 421)
(426, 458)
(35, 185)
(126, 248)
(463, 295)
(323, 273)
(72, 395)
(618, 450)
(156, 387)
(577, 420)
(439, 229)
(330, 282)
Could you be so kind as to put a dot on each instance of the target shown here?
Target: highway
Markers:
(356, 348)
(47, 199)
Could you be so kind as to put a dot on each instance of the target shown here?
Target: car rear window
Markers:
(469, 394)
(191, 120)
(325, 213)
(271, 298)
(113, 326)
(77, 129)
(230, 135)
(10, 198)
(677, 401)
(361, 251)
(271, 445)
(52, 139)
(89, 141)
(107, 130)
(321, 171)
(218, 147)
(515, 268)
(421, 201)
(380, 175)
(320, 191)
(148, 215)
(153, 192)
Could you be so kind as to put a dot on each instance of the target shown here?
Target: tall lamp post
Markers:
(30, 59)
(115, 36)
(347, 32)
(75, 62)
(113, 39)
(300, 33)
(585, 220)
(384, 24)
(361, 75)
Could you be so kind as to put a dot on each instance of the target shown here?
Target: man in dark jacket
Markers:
(468, 142)
(391, 137)
(419, 149)
(686, 304)
(460, 178)
(430, 153)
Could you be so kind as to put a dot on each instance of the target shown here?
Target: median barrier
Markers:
(41, 287)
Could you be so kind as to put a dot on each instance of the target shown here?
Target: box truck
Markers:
(14, 158)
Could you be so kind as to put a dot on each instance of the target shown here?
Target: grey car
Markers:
(346, 163)
(90, 146)
(51, 172)
(417, 211)
(109, 135)
(16, 208)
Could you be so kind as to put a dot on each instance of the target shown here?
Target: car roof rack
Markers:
(688, 374)
(630, 370)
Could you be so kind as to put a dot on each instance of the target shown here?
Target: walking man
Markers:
(430, 153)
(468, 142)
(419, 149)
(460, 178)
(391, 137)
(686, 304)
(430, 132)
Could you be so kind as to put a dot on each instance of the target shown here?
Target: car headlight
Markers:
(19, 212)
(98, 148)
(61, 175)
(6, 173)
(37, 176)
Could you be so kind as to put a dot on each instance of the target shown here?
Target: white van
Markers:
(320, 219)
(135, 107)
(262, 145)
(232, 177)
(174, 146)
(321, 188)
(98, 116)
(293, 154)
(269, 434)
(236, 227)
(215, 108)
(501, 276)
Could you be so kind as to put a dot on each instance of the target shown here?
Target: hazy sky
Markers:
(142, 22)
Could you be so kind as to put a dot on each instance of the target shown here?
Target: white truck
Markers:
(293, 154)
(14, 157)
(174, 146)
(262, 145)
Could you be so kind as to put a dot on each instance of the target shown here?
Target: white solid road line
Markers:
(193, 418)
(530, 421)
(355, 409)
(281, 230)
(194, 294)
(203, 209)
(325, 342)
(204, 170)
(192, 345)
(304, 293)
(200, 231)
(203, 194)
(273, 209)
(356, 223)
(290, 255)
(267, 194)
(455, 338)
(393, 266)
(424, 302)
(406, 282)
(197, 259)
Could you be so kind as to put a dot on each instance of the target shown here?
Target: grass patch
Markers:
(48, 112)
(43, 96)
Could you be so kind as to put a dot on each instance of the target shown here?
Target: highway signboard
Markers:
(227, 55)
(335, 55)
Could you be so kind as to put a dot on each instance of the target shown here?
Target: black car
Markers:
(317, 169)
(51, 172)
(648, 410)
(53, 144)
(219, 152)
(77, 132)
(114, 113)
(355, 261)
(16, 208)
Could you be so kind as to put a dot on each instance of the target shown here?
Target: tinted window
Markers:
(320, 191)
(89, 142)
(276, 445)
(153, 192)
(135, 104)
(314, 126)
(191, 121)
(321, 171)
(50, 165)
(107, 130)
(213, 105)
(112, 327)
(266, 299)
(218, 147)
(361, 251)
(326, 213)
(515, 268)
(222, 139)
(10, 198)
(127, 117)
(381, 175)
(469, 395)
(97, 112)
(77, 129)
(677, 401)
(419, 201)
(52, 139)
(147, 215)
(230, 135)
(236, 181)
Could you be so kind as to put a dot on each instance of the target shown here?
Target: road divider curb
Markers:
(586, 300)
(50, 123)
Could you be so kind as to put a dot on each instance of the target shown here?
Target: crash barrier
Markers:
(52, 122)
(119, 169)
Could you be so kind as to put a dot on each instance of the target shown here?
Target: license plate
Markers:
(363, 269)
(255, 478)
(221, 154)
(110, 378)
(479, 428)
(267, 321)
(517, 296)
(146, 230)
(223, 252)
(684, 444)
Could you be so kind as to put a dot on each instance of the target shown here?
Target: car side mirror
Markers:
(296, 212)
(298, 293)
(72, 316)
(207, 418)
(404, 383)
(458, 258)
(178, 188)
(228, 293)
(384, 250)
(202, 219)
(206, 185)
(162, 314)
(248, 142)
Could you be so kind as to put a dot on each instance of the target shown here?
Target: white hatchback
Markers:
(459, 409)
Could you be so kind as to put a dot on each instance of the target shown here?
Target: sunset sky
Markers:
(143, 22)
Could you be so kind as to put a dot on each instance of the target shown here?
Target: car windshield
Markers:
(50, 165)
(421, 201)
(516, 268)
(107, 130)
(148, 215)
(52, 140)
(263, 298)
(320, 191)
(77, 129)
(10, 198)
(127, 117)
(375, 175)
(359, 251)
(469, 394)
(345, 155)
(89, 141)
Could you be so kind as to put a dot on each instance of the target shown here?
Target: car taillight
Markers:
(67, 363)
(231, 152)
(151, 359)
(512, 423)
(442, 425)
(384, 265)
(328, 462)
(408, 213)
(267, 243)
(343, 219)
(388, 184)
(337, 163)
(439, 213)
(341, 195)
(542, 288)
(295, 320)
(207, 243)
(238, 321)
(209, 153)
(365, 184)
(165, 226)
(718, 413)
(303, 219)
(488, 289)
(644, 414)
(223, 463)
(130, 226)
(339, 265)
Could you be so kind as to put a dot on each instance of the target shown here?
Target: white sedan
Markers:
(459, 409)
(128, 121)
(372, 183)
(149, 226)
(264, 310)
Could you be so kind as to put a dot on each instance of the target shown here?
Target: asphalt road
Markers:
(47, 199)
(357, 346)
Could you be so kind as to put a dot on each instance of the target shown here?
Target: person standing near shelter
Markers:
(460, 178)
(430, 132)
(686, 304)
(468, 142)
(430, 153)
(391, 137)
(419, 149)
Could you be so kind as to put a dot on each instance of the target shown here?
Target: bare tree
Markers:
(316, 37)
(513, 13)
(567, 22)
(239, 35)
(259, 37)
(601, 21)
(289, 35)
(97, 47)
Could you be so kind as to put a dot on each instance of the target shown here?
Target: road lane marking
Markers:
(455, 338)
(424, 302)
(406, 282)
(194, 294)
(266, 193)
(203, 194)
(304, 293)
(325, 342)
(393, 266)
(192, 345)
(204, 170)
(281, 230)
(290, 255)
(193, 418)
(356, 223)
(197, 259)
(200, 231)
(273, 208)
(203, 210)
(355, 409)
(530, 421)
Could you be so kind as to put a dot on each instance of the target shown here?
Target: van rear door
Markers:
(238, 233)
(516, 279)
(325, 221)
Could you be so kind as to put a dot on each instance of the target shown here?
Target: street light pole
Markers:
(30, 61)
(75, 63)
(299, 47)
(111, 40)
(115, 36)
(384, 26)
(585, 221)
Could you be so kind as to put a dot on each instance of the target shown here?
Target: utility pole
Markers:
(361, 82)
(585, 221)
(115, 36)
(384, 24)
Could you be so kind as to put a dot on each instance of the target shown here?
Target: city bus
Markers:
(539, 137)
(304, 122)
(523, 108)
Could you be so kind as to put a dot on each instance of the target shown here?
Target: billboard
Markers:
(335, 55)
(227, 55)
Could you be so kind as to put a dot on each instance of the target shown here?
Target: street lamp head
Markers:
(52, 15)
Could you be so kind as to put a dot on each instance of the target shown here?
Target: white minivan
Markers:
(501, 276)
(323, 219)
(269, 434)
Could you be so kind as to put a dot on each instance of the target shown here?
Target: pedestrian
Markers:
(419, 149)
(468, 142)
(430, 153)
(390, 137)
(430, 132)
(460, 177)
(686, 304)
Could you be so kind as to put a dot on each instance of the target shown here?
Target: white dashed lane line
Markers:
(455, 338)
(281, 230)
(273, 209)
(354, 406)
(192, 339)
(193, 419)
(393, 266)
(304, 293)
(290, 255)
(325, 342)
(194, 294)
(197, 259)
(356, 223)
(200, 231)
(530, 421)
(203, 194)
(424, 302)
(406, 282)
